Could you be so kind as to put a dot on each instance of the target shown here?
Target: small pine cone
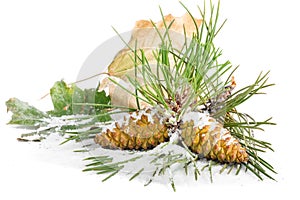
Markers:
(207, 137)
(141, 130)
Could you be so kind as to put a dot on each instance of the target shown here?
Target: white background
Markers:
(45, 41)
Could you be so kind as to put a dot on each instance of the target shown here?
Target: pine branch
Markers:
(194, 80)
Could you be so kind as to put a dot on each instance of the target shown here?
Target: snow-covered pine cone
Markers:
(140, 130)
(207, 137)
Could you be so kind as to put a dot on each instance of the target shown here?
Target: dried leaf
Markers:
(146, 36)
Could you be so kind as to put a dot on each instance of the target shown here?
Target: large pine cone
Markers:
(141, 130)
(207, 137)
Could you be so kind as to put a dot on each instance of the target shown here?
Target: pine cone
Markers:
(207, 137)
(141, 130)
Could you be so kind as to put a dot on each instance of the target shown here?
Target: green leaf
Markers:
(73, 100)
(61, 96)
(91, 102)
(23, 113)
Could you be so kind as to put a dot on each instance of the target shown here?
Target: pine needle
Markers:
(136, 174)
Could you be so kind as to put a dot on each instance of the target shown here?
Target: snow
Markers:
(138, 114)
(199, 119)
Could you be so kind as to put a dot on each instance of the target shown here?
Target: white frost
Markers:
(199, 119)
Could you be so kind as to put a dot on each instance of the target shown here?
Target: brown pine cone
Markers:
(209, 138)
(141, 130)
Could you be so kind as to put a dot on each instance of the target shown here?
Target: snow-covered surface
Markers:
(42, 42)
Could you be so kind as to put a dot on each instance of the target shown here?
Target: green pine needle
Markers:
(136, 174)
